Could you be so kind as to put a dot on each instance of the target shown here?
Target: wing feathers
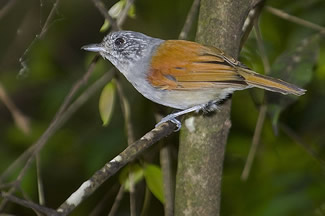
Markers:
(184, 65)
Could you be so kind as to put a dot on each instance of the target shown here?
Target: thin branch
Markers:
(255, 142)
(40, 188)
(57, 123)
(117, 201)
(133, 197)
(5, 9)
(102, 9)
(38, 37)
(20, 119)
(27, 198)
(189, 20)
(168, 179)
(262, 111)
(295, 19)
(102, 204)
(168, 183)
(80, 83)
(129, 154)
(29, 204)
(16, 163)
(63, 114)
(49, 19)
(293, 135)
(260, 44)
(146, 202)
(121, 19)
(7, 185)
(125, 105)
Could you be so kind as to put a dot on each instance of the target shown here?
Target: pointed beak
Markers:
(94, 48)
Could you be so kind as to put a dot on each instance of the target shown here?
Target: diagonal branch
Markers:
(38, 37)
(56, 124)
(189, 20)
(124, 13)
(102, 9)
(130, 153)
(295, 19)
(29, 204)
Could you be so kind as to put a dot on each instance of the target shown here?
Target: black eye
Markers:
(119, 41)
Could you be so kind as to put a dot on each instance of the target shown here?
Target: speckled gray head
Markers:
(124, 48)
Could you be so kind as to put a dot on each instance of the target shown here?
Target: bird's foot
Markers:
(172, 118)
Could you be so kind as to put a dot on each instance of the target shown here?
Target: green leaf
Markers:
(131, 12)
(154, 179)
(294, 66)
(115, 11)
(106, 103)
(105, 26)
(117, 8)
(137, 172)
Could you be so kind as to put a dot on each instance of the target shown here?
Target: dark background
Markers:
(285, 179)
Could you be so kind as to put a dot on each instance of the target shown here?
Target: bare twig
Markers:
(81, 82)
(261, 47)
(255, 142)
(5, 9)
(117, 201)
(293, 135)
(146, 202)
(41, 197)
(27, 198)
(21, 120)
(102, 9)
(168, 179)
(295, 19)
(125, 105)
(129, 154)
(20, 160)
(189, 20)
(57, 123)
(29, 204)
(133, 198)
(102, 204)
(7, 185)
(38, 37)
(49, 19)
(251, 19)
(262, 111)
(124, 13)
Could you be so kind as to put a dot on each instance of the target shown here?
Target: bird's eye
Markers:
(119, 41)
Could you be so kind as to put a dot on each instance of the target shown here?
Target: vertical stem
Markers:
(203, 138)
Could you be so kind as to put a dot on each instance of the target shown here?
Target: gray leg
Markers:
(172, 117)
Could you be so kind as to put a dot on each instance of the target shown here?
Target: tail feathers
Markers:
(270, 83)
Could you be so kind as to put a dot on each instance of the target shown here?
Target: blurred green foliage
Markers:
(286, 179)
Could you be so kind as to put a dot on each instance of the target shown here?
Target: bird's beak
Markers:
(94, 48)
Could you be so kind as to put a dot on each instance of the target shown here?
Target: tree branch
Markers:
(189, 20)
(109, 169)
(29, 204)
(102, 9)
(203, 139)
(295, 19)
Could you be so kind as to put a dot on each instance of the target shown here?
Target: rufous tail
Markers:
(269, 83)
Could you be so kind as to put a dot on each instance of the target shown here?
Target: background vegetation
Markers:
(287, 175)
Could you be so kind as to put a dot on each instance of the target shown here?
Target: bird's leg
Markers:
(172, 117)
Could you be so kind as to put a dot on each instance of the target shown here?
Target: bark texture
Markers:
(203, 137)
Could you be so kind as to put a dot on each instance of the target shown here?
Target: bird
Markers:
(181, 74)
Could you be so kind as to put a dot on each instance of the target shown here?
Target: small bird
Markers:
(181, 74)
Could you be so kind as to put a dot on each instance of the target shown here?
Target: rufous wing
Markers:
(185, 65)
